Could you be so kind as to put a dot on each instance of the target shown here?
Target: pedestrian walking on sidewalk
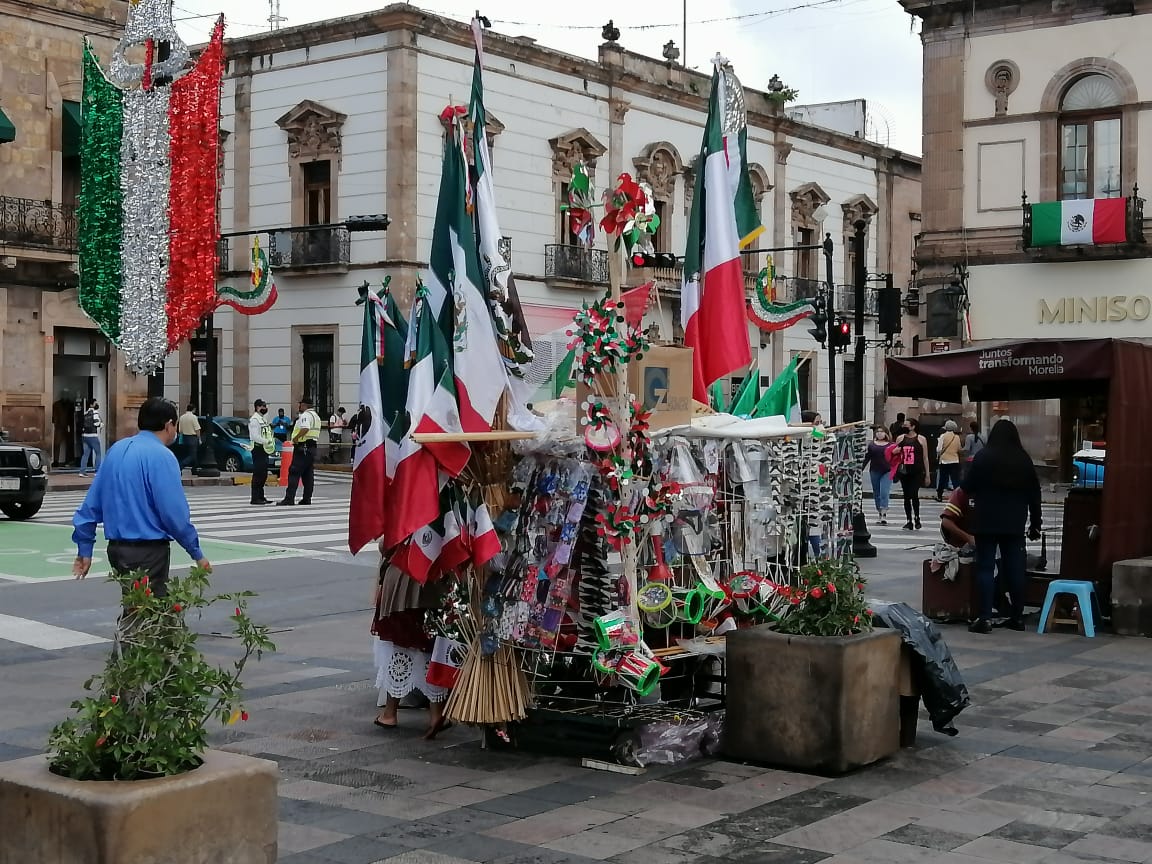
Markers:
(912, 470)
(973, 444)
(336, 425)
(138, 497)
(90, 426)
(305, 438)
(263, 446)
(1005, 493)
(188, 428)
(948, 459)
(878, 462)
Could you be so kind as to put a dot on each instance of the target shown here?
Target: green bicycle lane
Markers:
(36, 552)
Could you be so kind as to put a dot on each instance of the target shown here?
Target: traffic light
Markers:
(663, 260)
(888, 308)
(842, 334)
(819, 330)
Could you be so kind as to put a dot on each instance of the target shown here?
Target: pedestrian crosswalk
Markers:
(894, 537)
(225, 514)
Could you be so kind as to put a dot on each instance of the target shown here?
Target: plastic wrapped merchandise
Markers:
(933, 670)
(669, 743)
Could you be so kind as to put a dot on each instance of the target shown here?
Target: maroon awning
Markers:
(1029, 369)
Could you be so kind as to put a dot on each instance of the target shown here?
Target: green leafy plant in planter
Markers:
(827, 600)
(150, 707)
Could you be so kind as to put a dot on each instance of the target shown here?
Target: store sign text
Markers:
(1006, 358)
(1095, 310)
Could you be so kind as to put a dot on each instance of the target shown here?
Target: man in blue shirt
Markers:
(138, 496)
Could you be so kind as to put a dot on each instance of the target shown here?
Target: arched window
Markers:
(1090, 138)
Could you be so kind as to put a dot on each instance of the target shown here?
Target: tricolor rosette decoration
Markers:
(150, 157)
(262, 295)
(630, 215)
(581, 200)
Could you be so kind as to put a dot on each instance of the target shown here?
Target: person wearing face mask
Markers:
(138, 496)
(263, 446)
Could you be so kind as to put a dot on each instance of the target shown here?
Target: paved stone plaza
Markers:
(1052, 765)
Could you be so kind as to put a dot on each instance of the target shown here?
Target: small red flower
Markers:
(819, 572)
(859, 586)
(100, 741)
(816, 594)
(831, 588)
(176, 607)
(244, 716)
(147, 592)
(136, 585)
(144, 580)
(795, 601)
(113, 698)
(868, 612)
(238, 612)
(856, 620)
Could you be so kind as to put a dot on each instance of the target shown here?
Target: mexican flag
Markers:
(448, 656)
(383, 386)
(456, 295)
(782, 398)
(1084, 222)
(440, 545)
(147, 220)
(500, 287)
(724, 219)
(414, 496)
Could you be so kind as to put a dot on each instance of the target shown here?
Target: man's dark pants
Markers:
(301, 471)
(259, 473)
(154, 557)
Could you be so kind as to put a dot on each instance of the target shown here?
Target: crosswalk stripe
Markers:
(257, 532)
(45, 636)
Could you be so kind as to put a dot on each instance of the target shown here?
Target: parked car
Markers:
(1088, 469)
(23, 480)
(231, 445)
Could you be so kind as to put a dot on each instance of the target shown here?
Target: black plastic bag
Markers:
(934, 672)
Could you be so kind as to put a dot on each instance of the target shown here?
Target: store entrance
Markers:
(79, 373)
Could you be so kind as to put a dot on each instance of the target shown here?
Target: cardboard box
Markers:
(662, 382)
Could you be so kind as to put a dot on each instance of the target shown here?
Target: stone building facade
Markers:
(1031, 102)
(51, 355)
(341, 119)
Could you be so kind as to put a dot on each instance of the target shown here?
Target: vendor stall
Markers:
(1101, 526)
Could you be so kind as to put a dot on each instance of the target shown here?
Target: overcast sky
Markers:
(827, 49)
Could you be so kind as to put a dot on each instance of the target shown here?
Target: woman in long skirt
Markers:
(403, 648)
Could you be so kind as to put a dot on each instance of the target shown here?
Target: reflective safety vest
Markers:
(267, 441)
(313, 432)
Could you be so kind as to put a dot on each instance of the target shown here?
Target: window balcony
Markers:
(38, 224)
(1051, 244)
(314, 247)
(576, 264)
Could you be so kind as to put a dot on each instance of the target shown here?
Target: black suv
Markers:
(23, 480)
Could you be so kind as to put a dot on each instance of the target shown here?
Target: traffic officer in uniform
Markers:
(305, 436)
(263, 446)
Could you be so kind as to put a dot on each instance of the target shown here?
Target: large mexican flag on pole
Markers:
(1083, 222)
(724, 220)
(456, 296)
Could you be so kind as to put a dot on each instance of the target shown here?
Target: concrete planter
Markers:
(225, 810)
(819, 704)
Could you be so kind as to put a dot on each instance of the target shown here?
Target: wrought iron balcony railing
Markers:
(790, 289)
(312, 246)
(1133, 225)
(576, 263)
(41, 224)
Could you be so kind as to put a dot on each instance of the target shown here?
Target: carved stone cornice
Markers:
(578, 145)
(658, 166)
(806, 200)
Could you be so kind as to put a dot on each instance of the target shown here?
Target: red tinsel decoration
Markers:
(194, 123)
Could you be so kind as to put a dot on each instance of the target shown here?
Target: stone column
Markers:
(402, 241)
(241, 221)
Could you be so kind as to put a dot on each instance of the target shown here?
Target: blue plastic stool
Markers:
(1085, 593)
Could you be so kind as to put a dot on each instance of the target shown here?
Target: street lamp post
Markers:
(830, 289)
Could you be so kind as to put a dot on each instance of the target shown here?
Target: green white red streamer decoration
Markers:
(150, 157)
(262, 295)
(766, 313)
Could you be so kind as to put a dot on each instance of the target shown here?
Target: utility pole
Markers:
(860, 283)
(830, 287)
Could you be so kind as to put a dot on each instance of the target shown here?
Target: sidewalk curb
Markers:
(74, 483)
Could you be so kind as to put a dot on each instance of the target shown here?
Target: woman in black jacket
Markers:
(1006, 494)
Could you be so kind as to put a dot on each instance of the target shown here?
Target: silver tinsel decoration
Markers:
(146, 170)
(148, 19)
(732, 96)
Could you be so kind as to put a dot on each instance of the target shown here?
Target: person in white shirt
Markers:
(91, 425)
(337, 423)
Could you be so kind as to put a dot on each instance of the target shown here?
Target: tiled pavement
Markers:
(1052, 765)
